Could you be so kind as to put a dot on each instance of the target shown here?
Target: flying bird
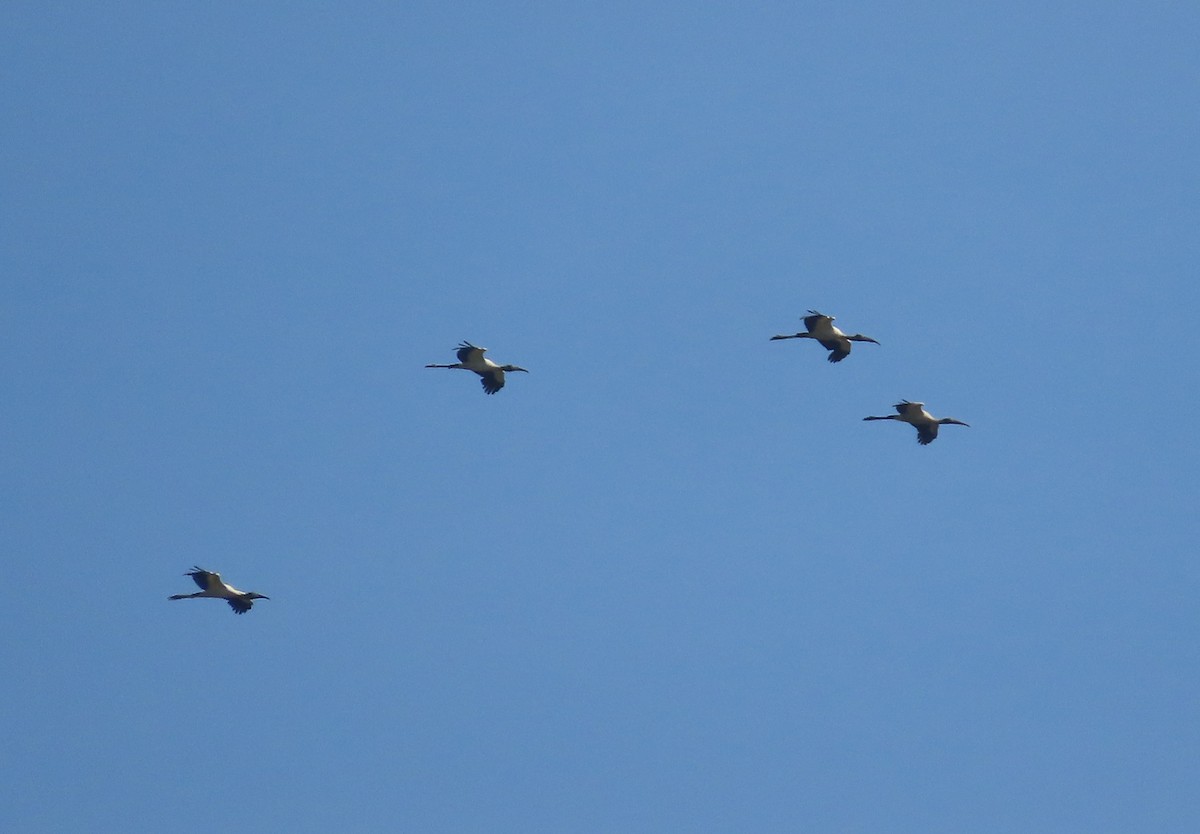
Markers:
(211, 586)
(820, 327)
(925, 423)
(471, 358)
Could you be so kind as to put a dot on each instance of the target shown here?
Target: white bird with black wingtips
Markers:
(212, 587)
(925, 423)
(471, 358)
(819, 327)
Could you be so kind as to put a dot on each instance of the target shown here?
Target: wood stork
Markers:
(925, 423)
(211, 585)
(820, 327)
(471, 358)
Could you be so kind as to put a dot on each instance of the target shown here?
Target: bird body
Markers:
(820, 328)
(925, 423)
(471, 358)
(213, 587)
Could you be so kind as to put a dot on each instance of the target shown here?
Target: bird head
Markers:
(513, 368)
(256, 595)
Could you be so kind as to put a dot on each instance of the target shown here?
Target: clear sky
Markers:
(668, 581)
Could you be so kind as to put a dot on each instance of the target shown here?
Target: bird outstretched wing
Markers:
(838, 349)
(810, 321)
(203, 578)
(467, 351)
(492, 381)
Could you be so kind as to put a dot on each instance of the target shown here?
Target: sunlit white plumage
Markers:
(471, 358)
(915, 415)
(819, 327)
(211, 586)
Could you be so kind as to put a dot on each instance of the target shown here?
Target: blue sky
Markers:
(669, 580)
